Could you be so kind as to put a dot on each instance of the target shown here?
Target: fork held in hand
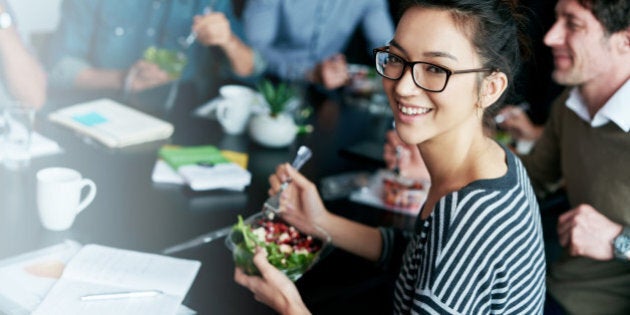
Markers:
(192, 36)
(272, 205)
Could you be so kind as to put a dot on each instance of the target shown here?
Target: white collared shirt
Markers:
(616, 109)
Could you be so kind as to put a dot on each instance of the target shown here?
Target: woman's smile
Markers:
(413, 110)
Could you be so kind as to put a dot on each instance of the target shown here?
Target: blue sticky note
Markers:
(90, 119)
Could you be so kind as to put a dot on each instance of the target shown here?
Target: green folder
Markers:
(206, 155)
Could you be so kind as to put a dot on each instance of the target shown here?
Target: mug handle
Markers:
(221, 111)
(88, 199)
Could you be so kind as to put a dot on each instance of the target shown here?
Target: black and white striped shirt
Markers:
(479, 252)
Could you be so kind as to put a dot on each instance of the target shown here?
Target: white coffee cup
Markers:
(234, 109)
(233, 115)
(231, 91)
(59, 196)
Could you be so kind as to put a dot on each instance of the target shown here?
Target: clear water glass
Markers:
(17, 125)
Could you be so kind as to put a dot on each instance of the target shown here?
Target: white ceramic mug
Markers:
(59, 196)
(236, 91)
(233, 115)
(234, 109)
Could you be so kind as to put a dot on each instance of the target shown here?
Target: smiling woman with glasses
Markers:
(477, 244)
(427, 76)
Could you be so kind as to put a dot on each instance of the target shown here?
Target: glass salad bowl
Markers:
(288, 249)
(171, 61)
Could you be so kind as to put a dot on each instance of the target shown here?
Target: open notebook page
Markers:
(98, 269)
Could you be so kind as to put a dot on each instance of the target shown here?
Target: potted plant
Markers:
(276, 128)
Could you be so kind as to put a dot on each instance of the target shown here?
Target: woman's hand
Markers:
(410, 163)
(300, 203)
(272, 288)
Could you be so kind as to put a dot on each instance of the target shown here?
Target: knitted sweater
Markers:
(593, 162)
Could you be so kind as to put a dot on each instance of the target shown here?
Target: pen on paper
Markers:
(121, 295)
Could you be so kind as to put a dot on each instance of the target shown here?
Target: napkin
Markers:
(42, 146)
(202, 168)
(226, 175)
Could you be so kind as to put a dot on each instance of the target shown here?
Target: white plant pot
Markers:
(273, 132)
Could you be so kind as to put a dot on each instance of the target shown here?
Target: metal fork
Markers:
(399, 152)
(271, 207)
(192, 36)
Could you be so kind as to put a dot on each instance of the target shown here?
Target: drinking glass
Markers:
(17, 122)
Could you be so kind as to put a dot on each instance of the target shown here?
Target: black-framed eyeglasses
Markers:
(427, 76)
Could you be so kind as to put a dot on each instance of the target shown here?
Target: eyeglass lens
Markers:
(427, 76)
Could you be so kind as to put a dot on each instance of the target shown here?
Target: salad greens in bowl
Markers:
(288, 249)
(171, 61)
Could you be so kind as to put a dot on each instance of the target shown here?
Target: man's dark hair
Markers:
(613, 14)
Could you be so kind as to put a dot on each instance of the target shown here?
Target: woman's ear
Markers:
(492, 88)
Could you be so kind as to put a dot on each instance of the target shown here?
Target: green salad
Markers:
(289, 250)
(173, 62)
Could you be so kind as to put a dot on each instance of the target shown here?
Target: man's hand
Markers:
(145, 75)
(586, 232)
(514, 120)
(333, 72)
(213, 29)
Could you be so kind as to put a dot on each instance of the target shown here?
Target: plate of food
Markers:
(389, 191)
(363, 80)
(288, 249)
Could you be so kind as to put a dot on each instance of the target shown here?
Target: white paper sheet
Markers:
(24, 281)
(98, 269)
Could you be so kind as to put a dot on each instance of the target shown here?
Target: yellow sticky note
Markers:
(236, 157)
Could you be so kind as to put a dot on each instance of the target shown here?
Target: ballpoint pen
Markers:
(121, 295)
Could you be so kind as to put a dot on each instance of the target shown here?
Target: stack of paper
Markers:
(25, 280)
(202, 168)
(98, 270)
(112, 123)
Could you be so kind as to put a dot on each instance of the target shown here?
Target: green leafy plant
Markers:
(276, 95)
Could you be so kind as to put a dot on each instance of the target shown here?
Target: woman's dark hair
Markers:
(494, 27)
(613, 14)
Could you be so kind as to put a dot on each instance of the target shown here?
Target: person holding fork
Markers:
(99, 45)
(477, 244)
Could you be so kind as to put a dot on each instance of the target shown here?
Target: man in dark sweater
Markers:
(585, 144)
